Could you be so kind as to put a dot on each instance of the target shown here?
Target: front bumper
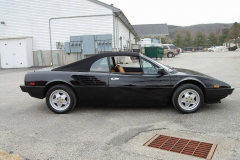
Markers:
(215, 95)
(34, 91)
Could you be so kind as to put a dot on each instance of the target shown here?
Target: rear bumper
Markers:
(34, 91)
(215, 95)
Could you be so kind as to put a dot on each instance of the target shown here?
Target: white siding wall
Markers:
(122, 31)
(62, 29)
(31, 18)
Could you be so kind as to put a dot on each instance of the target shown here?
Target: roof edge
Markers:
(114, 9)
(118, 12)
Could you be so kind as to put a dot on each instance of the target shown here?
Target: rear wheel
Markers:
(61, 99)
(170, 55)
(188, 98)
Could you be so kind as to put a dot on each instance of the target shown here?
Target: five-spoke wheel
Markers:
(61, 99)
(188, 98)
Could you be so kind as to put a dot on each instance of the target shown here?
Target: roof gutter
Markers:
(125, 21)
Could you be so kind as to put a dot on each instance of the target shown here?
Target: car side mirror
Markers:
(161, 71)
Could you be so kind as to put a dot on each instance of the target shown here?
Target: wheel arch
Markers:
(57, 82)
(190, 81)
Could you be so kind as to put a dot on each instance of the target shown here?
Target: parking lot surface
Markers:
(29, 128)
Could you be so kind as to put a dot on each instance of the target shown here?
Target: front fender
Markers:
(189, 79)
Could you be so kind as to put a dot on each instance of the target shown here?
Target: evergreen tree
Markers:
(164, 40)
(200, 39)
(234, 32)
(212, 39)
(178, 41)
(224, 36)
(187, 42)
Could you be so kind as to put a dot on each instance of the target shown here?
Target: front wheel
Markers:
(188, 98)
(61, 99)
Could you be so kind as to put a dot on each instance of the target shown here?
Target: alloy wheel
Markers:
(59, 100)
(188, 99)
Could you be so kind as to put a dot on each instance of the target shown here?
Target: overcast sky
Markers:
(179, 12)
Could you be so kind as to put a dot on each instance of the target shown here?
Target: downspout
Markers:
(114, 43)
(101, 15)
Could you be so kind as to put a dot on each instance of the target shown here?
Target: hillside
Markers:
(205, 28)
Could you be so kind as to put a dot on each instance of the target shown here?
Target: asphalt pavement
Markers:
(29, 128)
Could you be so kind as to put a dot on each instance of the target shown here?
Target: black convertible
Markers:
(123, 78)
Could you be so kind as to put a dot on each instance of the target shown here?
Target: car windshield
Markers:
(166, 67)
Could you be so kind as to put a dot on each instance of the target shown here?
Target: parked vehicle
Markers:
(216, 48)
(211, 49)
(170, 50)
(123, 78)
(180, 50)
(136, 48)
(193, 49)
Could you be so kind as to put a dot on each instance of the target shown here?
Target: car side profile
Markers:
(170, 50)
(123, 78)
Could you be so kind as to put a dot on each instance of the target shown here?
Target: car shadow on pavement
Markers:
(108, 107)
(159, 108)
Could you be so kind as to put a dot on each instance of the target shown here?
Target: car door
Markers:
(148, 87)
(93, 85)
(165, 50)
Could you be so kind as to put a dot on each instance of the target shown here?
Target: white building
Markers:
(32, 23)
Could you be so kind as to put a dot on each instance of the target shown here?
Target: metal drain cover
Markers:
(183, 146)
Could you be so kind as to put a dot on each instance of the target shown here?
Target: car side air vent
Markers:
(88, 80)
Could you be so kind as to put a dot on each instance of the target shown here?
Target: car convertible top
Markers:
(84, 65)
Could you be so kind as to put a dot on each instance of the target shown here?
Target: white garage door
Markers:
(13, 53)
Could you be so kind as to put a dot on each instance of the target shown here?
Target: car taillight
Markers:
(31, 83)
(177, 50)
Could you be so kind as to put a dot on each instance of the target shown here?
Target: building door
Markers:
(6, 56)
(13, 53)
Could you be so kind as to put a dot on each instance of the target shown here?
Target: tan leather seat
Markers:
(120, 68)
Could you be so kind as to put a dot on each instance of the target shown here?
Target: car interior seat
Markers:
(120, 68)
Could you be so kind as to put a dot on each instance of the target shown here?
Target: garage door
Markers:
(13, 53)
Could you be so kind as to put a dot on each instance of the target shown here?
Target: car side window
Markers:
(173, 47)
(149, 68)
(100, 65)
(165, 47)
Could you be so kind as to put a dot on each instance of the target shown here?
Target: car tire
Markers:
(170, 55)
(188, 98)
(61, 99)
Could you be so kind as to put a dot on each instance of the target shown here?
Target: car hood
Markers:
(189, 72)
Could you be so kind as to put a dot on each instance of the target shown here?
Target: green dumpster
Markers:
(154, 52)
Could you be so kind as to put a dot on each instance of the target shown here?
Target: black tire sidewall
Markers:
(184, 87)
(70, 92)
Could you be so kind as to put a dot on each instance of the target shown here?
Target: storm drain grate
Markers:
(183, 146)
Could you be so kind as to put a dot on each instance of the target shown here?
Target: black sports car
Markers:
(123, 78)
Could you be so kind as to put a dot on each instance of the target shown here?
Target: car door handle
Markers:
(114, 79)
